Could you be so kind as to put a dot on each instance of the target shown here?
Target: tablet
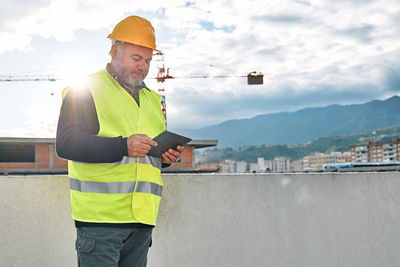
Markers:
(165, 141)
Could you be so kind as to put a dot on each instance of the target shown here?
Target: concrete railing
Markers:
(325, 219)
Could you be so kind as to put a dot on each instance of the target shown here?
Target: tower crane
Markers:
(253, 78)
(163, 74)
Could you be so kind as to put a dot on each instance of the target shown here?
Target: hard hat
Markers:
(135, 30)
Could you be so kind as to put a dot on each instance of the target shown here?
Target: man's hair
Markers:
(115, 42)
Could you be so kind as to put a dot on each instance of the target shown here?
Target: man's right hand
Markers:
(139, 145)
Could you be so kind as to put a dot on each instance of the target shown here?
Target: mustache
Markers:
(138, 72)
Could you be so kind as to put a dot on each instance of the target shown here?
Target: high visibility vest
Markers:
(128, 191)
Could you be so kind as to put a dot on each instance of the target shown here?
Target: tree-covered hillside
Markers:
(297, 151)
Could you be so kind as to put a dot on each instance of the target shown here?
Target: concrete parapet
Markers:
(322, 219)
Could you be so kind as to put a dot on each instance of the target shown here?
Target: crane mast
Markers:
(162, 75)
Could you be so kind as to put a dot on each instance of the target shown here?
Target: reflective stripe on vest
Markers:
(155, 162)
(115, 187)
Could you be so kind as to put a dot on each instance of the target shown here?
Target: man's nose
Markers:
(143, 65)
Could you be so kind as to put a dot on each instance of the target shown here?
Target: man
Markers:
(105, 130)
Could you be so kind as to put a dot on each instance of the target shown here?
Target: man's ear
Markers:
(113, 51)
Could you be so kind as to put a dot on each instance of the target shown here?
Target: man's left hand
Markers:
(171, 155)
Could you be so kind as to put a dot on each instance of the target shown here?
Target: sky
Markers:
(311, 53)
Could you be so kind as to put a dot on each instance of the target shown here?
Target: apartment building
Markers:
(376, 151)
(316, 160)
(297, 165)
(232, 166)
(279, 164)
(227, 166)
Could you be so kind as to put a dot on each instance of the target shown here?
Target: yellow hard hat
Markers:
(135, 30)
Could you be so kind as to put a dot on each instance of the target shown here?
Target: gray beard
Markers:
(128, 81)
(133, 83)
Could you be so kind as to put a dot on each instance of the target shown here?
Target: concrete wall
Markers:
(333, 219)
(36, 228)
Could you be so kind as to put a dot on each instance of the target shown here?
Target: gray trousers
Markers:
(112, 247)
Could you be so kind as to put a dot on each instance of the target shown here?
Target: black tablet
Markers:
(165, 141)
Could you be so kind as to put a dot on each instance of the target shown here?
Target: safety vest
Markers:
(128, 191)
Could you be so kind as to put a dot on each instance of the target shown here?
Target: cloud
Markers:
(280, 18)
(362, 32)
(392, 79)
(59, 19)
(311, 53)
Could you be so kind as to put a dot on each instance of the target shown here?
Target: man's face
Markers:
(131, 63)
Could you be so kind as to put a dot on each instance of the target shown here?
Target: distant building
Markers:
(227, 166)
(297, 165)
(316, 160)
(344, 157)
(231, 166)
(261, 164)
(360, 153)
(254, 168)
(281, 164)
(241, 166)
(376, 152)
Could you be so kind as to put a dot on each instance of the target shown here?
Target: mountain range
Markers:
(303, 125)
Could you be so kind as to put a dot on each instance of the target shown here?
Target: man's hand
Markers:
(171, 155)
(139, 145)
